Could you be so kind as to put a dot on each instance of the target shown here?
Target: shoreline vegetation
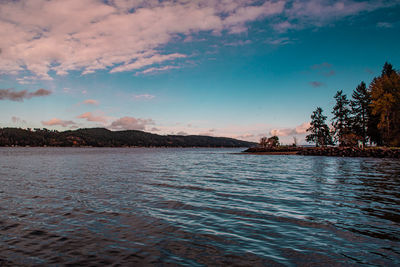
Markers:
(375, 152)
(101, 137)
(368, 125)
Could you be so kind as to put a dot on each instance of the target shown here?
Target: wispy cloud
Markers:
(13, 95)
(325, 69)
(42, 36)
(154, 70)
(316, 84)
(89, 116)
(17, 120)
(56, 121)
(384, 25)
(91, 102)
(279, 41)
(143, 96)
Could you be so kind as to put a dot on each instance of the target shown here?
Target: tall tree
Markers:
(341, 118)
(319, 131)
(360, 109)
(385, 94)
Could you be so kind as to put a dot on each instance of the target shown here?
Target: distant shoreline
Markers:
(373, 152)
(101, 137)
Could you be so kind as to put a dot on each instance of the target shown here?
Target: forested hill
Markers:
(100, 137)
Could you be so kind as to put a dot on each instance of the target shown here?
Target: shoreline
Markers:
(271, 153)
(372, 152)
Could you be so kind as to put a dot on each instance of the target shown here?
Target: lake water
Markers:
(139, 206)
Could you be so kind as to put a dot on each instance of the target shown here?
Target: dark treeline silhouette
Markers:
(371, 116)
(100, 137)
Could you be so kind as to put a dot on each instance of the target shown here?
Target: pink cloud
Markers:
(55, 121)
(11, 94)
(156, 69)
(89, 116)
(130, 123)
(146, 61)
(300, 129)
(91, 102)
(61, 36)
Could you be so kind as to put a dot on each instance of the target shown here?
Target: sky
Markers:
(234, 68)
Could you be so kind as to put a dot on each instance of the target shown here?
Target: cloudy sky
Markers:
(237, 68)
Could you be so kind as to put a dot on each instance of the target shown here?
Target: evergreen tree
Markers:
(373, 132)
(385, 94)
(341, 118)
(320, 134)
(360, 108)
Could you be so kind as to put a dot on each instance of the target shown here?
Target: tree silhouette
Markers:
(341, 118)
(361, 111)
(319, 131)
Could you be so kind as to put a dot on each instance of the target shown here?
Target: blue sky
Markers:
(233, 68)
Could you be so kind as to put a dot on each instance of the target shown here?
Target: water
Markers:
(138, 206)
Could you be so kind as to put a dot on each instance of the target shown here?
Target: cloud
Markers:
(130, 123)
(386, 25)
(329, 73)
(318, 13)
(91, 102)
(300, 129)
(316, 84)
(73, 35)
(283, 26)
(40, 92)
(89, 116)
(324, 69)
(155, 129)
(41, 36)
(17, 120)
(244, 137)
(11, 94)
(238, 43)
(144, 96)
(153, 70)
(181, 133)
(279, 41)
(55, 121)
(146, 61)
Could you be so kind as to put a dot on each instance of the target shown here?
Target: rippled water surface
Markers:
(136, 206)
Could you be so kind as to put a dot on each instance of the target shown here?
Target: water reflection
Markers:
(98, 206)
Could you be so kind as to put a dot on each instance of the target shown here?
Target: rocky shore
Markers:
(376, 152)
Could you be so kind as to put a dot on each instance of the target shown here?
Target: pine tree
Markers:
(385, 94)
(341, 118)
(320, 134)
(361, 111)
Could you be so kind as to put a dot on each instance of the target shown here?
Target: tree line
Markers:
(372, 116)
(100, 137)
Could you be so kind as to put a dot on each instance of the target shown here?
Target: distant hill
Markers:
(100, 137)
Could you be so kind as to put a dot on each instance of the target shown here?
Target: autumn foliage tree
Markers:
(385, 104)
